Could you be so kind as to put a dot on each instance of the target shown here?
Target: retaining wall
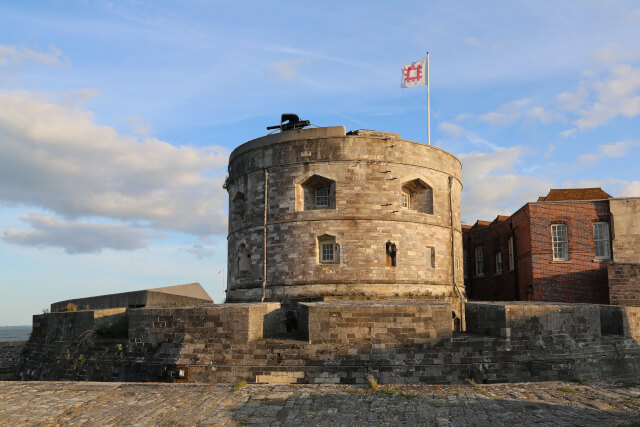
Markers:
(231, 342)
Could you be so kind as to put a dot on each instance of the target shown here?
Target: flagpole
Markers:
(428, 104)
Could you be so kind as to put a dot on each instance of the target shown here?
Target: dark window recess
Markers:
(291, 321)
(392, 251)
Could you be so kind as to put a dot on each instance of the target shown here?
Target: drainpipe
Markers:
(453, 259)
(264, 243)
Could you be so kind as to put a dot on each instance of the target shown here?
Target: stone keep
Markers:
(323, 214)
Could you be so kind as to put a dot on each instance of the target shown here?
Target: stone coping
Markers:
(374, 303)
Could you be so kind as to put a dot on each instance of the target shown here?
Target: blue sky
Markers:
(117, 117)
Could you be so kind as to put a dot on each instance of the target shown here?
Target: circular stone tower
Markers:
(323, 214)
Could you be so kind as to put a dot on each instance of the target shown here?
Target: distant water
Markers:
(10, 333)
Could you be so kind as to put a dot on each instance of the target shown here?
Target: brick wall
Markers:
(580, 279)
(624, 284)
(494, 286)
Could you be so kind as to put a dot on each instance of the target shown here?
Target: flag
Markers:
(415, 74)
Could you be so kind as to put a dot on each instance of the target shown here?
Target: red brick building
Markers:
(555, 249)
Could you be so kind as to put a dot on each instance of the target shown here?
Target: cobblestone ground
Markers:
(600, 403)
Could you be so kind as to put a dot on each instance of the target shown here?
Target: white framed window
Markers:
(322, 196)
(560, 242)
(479, 262)
(511, 260)
(328, 250)
(405, 200)
(498, 262)
(601, 240)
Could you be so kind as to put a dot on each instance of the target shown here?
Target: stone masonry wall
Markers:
(368, 170)
(626, 229)
(624, 284)
(200, 345)
(404, 323)
(9, 359)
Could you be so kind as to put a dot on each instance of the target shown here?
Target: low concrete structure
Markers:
(184, 295)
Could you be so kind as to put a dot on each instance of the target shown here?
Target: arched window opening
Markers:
(417, 195)
(244, 258)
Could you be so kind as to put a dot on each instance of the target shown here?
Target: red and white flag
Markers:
(415, 74)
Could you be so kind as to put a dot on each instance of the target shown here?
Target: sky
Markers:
(117, 118)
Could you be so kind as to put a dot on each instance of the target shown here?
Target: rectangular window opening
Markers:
(322, 196)
(511, 258)
(328, 252)
(560, 242)
(498, 262)
(479, 262)
(601, 240)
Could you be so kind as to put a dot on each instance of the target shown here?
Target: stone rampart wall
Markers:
(10, 358)
(227, 343)
(384, 322)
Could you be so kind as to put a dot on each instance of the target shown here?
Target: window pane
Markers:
(322, 196)
(601, 240)
(327, 252)
(560, 242)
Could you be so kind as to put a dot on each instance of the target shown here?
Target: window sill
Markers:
(498, 274)
(560, 261)
(479, 275)
(601, 260)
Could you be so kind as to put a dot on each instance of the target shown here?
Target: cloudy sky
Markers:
(117, 117)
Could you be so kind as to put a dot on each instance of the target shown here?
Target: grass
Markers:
(629, 384)
(579, 381)
(373, 385)
(240, 384)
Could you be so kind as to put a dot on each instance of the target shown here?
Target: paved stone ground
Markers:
(601, 403)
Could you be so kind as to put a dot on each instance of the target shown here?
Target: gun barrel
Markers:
(273, 127)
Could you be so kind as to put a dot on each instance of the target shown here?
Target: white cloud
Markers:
(541, 115)
(616, 96)
(568, 132)
(451, 128)
(613, 52)
(138, 126)
(19, 55)
(507, 113)
(77, 237)
(573, 101)
(56, 157)
(630, 190)
(495, 187)
(200, 251)
(616, 149)
(473, 41)
(288, 70)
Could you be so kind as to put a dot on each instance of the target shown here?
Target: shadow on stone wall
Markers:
(506, 342)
